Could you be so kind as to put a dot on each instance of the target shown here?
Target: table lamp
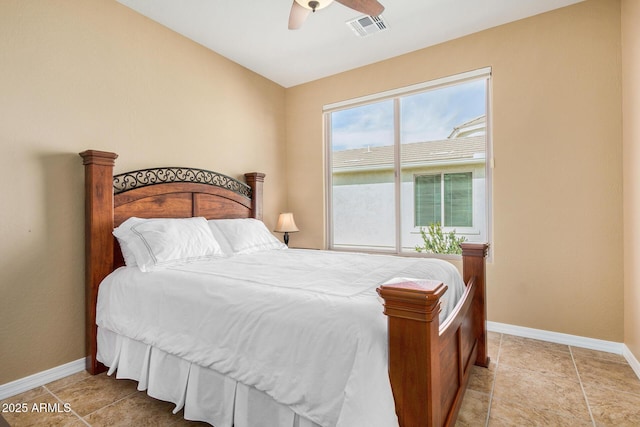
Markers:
(286, 225)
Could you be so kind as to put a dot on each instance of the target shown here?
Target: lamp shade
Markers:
(286, 223)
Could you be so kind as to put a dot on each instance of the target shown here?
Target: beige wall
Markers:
(631, 156)
(557, 205)
(78, 74)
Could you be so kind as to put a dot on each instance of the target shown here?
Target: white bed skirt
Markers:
(205, 395)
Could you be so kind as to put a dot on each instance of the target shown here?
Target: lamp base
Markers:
(286, 238)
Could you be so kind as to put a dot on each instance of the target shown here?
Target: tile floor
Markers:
(529, 383)
(537, 383)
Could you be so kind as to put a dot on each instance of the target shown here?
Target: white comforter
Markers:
(306, 327)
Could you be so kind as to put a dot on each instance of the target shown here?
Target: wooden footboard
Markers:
(429, 363)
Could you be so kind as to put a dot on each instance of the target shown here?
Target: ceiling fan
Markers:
(302, 8)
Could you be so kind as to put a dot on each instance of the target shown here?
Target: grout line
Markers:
(584, 394)
(83, 418)
(63, 403)
(493, 383)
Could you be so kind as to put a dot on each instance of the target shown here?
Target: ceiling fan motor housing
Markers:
(300, 9)
(314, 4)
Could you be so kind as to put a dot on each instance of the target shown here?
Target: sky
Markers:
(425, 116)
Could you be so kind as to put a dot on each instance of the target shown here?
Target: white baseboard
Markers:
(41, 378)
(557, 337)
(635, 365)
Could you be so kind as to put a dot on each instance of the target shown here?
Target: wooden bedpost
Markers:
(474, 266)
(98, 184)
(414, 366)
(255, 180)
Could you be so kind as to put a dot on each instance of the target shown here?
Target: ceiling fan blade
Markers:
(297, 16)
(368, 7)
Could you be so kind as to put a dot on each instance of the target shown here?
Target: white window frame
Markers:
(397, 93)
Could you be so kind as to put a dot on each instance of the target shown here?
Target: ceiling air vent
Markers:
(367, 25)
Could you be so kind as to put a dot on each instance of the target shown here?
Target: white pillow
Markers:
(246, 235)
(161, 242)
(128, 255)
(225, 246)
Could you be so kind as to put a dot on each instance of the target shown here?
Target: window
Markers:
(446, 199)
(405, 159)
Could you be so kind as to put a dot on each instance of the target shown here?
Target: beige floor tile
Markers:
(505, 413)
(44, 410)
(137, 409)
(538, 356)
(613, 408)
(540, 392)
(604, 373)
(531, 344)
(67, 381)
(95, 392)
(585, 352)
(493, 344)
(474, 409)
(481, 379)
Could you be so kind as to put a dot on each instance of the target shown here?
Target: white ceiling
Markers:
(254, 33)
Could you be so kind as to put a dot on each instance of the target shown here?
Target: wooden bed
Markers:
(429, 363)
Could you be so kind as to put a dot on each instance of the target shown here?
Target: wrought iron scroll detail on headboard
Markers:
(145, 177)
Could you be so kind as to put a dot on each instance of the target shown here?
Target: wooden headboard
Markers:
(168, 192)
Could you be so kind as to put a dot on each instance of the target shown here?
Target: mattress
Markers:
(302, 328)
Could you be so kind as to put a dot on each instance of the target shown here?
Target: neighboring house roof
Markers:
(446, 151)
(466, 143)
(469, 128)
